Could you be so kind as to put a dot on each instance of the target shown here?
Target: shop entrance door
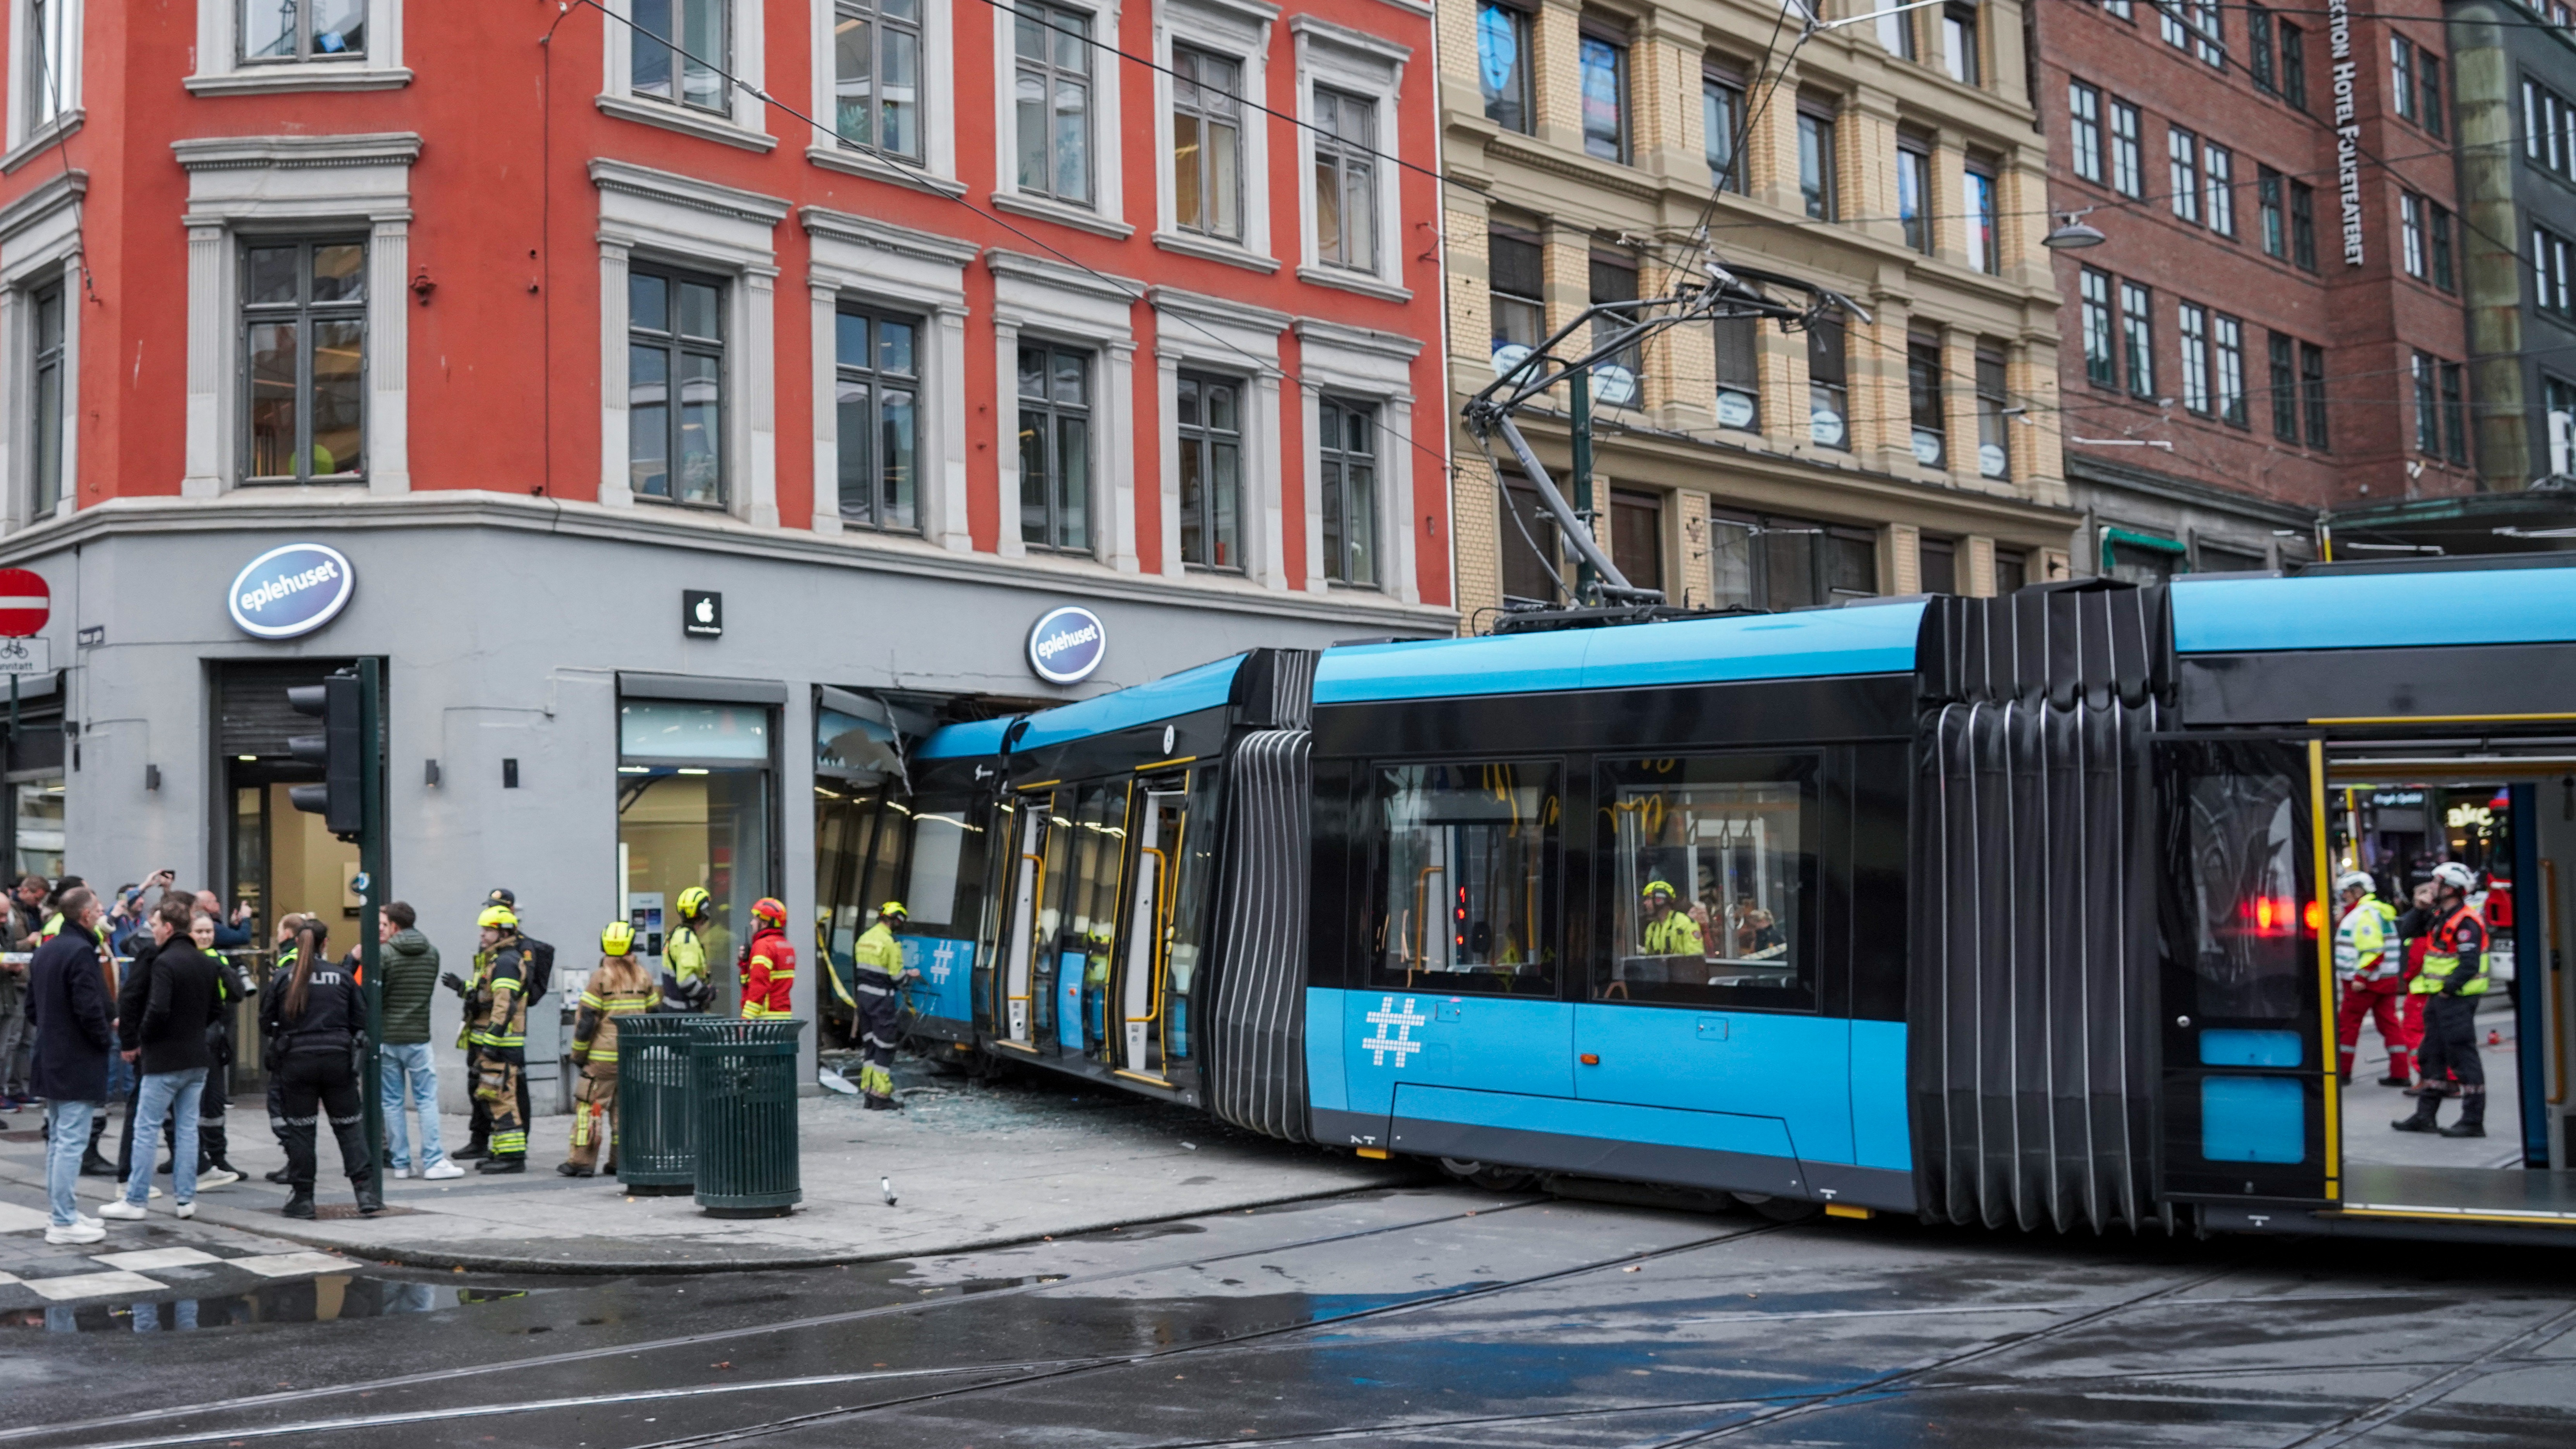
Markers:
(694, 810)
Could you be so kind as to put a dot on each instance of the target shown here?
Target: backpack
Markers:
(536, 968)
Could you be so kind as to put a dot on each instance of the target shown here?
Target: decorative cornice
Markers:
(296, 153)
(876, 168)
(276, 80)
(1044, 208)
(1217, 311)
(55, 131)
(1057, 274)
(1357, 339)
(687, 123)
(669, 187)
(1359, 41)
(58, 190)
(823, 222)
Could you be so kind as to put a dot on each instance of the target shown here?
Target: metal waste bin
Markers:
(655, 1147)
(744, 1078)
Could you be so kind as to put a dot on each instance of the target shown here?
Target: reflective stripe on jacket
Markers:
(2361, 941)
(2458, 944)
(768, 975)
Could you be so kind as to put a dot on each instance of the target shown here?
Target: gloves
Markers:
(452, 982)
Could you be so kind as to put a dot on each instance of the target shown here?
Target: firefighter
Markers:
(768, 963)
(620, 987)
(877, 975)
(2453, 981)
(1668, 932)
(685, 986)
(2370, 965)
(496, 1038)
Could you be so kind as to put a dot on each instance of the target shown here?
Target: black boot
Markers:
(573, 1169)
(474, 1148)
(276, 1174)
(516, 1162)
(2426, 1109)
(370, 1202)
(2473, 1117)
(300, 1205)
(93, 1165)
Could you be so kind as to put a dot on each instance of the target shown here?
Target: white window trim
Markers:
(300, 185)
(745, 127)
(1365, 366)
(1364, 65)
(938, 107)
(220, 71)
(1107, 212)
(1239, 30)
(1236, 339)
(40, 243)
(679, 221)
(894, 269)
(1052, 302)
(26, 134)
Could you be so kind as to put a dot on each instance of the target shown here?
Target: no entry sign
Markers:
(25, 603)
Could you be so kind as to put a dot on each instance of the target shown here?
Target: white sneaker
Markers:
(397, 1172)
(122, 1211)
(442, 1170)
(216, 1177)
(85, 1220)
(185, 1210)
(156, 1192)
(78, 1232)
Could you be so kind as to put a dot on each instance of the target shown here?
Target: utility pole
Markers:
(1578, 382)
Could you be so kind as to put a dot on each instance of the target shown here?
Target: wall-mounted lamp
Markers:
(429, 776)
(152, 777)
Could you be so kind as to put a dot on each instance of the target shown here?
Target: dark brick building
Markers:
(2272, 328)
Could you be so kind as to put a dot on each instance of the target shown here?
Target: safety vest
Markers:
(684, 955)
(499, 1019)
(878, 950)
(600, 1010)
(2361, 941)
(1674, 935)
(2462, 935)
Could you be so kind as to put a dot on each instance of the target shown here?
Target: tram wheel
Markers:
(1779, 1209)
(1490, 1178)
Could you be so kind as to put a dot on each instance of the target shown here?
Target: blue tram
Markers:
(2002, 911)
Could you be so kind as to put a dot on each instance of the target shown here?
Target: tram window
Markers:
(1466, 897)
(2241, 840)
(946, 853)
(1730, 841)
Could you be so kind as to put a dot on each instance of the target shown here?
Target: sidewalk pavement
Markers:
(973, 1165)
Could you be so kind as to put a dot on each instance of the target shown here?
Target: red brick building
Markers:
(2271, 327)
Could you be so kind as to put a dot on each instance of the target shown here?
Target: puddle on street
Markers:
(328, 1298)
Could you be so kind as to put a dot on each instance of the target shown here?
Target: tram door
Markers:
(1026, 820)
(1153, 874)
(2248, 1059)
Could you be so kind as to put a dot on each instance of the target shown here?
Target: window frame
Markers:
(48, 426)
(1348, 160)
(1740, 377)
(2437, 227)
(873, 14)
(1207, 440)
(2281, 352)
(2182, 173)
(1517, 19)
(2099, 327)
(1915, 212)
(1207, 119)
(1994, 412)
(1590, 35)
(1498, 300)
(638, 37)
(2410, 228)
(1838, 386)
(1985, 237)
(2128, 149)
(2218, 183)
(1335, 462)
(1377, 859)
(1055, 413)
(2312, 394)
(1818, 190)
(2191, 342)
(2084, 130)
(1961, 42)
(1051, 74)
(1925, 403)
(2428, 417)
(2455, 432)
(1725, 173)
(877, 376)
(304, 313)
(2138, 337)
(304, 54)
(2227, 368)
(2294, 66)
(2272, 209)
(677, 345)
(2303, 226)
(2401, 75)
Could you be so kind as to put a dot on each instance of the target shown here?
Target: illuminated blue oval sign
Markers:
(1067, 645)
(291, 591)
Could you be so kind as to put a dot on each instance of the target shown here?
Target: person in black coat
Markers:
(67, 1009)
(316, 1025)
(164, 1036)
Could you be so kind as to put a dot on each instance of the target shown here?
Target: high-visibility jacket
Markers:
(879, 950)
(2362, 941)
(496, 1004)
(768, 975)
(684, 956)
(594, 1031)
(1674, 935)
(2455, 960)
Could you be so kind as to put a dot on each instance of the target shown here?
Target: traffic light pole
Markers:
(371, 898)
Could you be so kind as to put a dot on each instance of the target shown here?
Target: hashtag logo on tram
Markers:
(1402, 1043)
(942, 961)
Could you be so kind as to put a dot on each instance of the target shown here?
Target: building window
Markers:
(285, 30)
(1816, 163)
(1345, 180)
(2437, 231)
(2197, 22)
(2259, 61)
(675, 387)
(2285, 391)
(2012, 570)
(2550, 266)
(1604, 67)
(1721, 113)
(2455, 430)
(1896, 30)
(1828, 385)
(304, 347)
(1051, 100)
(50, 83)
(2101, 358)
(1984, 251)
(1936, 565)
(1637, 537)
(2128, 159)
(1531, 558)
(2401, 76)
(2138, 338)
(2084, 129)
(2312, 391)
(1615, 377)
(1923, 402)
(2428, 422)
(1994, 442)
(2294, 65)
(681, 49)
(2303, 225)
(2182, 156)
(2428, 88)
(1502, 64)
(2191, 333)
(2410, 223)
(877, 392)
(1959, 43)
(45, 395)
(1348, 449)
(2119, 9)
(2548, 130)
(1515, 265)
(1914, 191)
(1055, 449)
(1739, 374)
(2267, 200)
(2218, 174)
(2227, 367)
(876, 76)
(1209, 414)
(1207, 144)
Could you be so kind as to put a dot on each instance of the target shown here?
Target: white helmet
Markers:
(2455, 875)
(2355, 880)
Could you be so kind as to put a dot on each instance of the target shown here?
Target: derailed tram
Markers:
(1994, 911)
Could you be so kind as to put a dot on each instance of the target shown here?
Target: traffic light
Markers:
(340, 750)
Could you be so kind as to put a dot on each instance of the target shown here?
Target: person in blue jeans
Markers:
(182, 995)
(410, 967)
(67, 1008)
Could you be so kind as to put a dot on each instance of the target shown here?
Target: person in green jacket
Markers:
(410, 967)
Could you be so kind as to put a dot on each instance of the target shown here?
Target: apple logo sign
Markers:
(701, 614)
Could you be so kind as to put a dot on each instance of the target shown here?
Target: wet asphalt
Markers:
(1427, 1316)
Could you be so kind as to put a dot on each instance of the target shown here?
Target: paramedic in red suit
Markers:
(2371, 973)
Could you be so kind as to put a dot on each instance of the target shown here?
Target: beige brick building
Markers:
(1893, 160)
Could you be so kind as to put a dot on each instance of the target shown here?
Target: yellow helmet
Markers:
(617, 938)
(694, 901)
(893, 908)
(498, 918)
(1665, 886)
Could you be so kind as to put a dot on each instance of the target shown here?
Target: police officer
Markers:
(768, 963)
(2452, 981)
(685, 984)
(1668, 932)
(2372, 971)
(496, 1044)
(877, 977)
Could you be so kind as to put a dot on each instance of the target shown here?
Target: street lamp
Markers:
(2072, 235)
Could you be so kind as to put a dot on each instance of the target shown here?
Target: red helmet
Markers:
(770, 909)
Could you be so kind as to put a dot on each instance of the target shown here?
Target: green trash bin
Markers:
(744, 1081)
(656, 1151)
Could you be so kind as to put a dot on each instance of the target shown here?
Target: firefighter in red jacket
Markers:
(768, 963)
